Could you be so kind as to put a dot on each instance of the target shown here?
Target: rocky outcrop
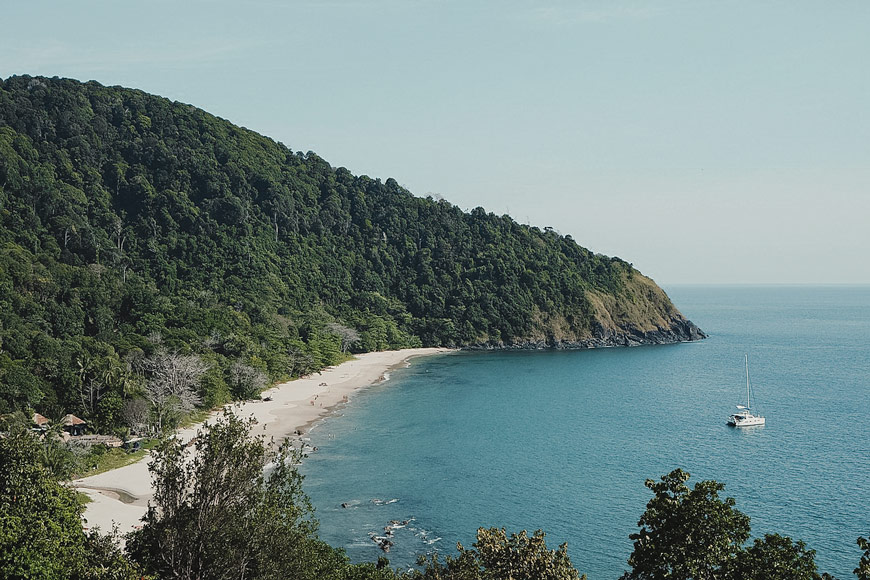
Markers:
(680, 329)
(638, 312)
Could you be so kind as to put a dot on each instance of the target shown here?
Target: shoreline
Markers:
(300, 431)
(294, 407)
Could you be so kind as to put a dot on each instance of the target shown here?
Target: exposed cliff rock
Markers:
(680, 330)
(640, 313)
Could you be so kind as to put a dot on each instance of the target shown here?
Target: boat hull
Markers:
(745, 421)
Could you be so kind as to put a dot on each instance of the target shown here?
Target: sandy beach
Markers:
(120, 497)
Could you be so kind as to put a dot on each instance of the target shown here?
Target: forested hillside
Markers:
(131, 225)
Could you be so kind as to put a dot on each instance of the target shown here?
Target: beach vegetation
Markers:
(98, 459)
(171, 385)
(245, 380)
(349, 336)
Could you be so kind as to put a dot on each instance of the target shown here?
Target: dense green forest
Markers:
(139, 234)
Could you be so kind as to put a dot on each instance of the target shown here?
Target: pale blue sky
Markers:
(706, 142)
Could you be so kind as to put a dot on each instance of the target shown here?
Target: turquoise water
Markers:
(563, 441)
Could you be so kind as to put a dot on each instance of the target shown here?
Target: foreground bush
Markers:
(233, 509)
(497, 556)
(41, 533)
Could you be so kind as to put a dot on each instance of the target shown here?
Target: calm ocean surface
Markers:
(563, 441)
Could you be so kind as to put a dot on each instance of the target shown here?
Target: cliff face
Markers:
(128, 220)
(640, 313)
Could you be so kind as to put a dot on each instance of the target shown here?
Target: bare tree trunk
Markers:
(172, 382)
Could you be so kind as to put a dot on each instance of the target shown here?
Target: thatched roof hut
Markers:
(40, 421)
(73, 425)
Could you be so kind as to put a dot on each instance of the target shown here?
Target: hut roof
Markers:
(71, 419)
(40, 420)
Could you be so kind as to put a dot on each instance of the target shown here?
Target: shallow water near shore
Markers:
(563, 441)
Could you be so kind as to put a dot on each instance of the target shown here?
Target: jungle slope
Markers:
(130, 222)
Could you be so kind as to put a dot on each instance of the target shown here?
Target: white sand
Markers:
(120, 496)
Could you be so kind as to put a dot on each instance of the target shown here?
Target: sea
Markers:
(563, 441)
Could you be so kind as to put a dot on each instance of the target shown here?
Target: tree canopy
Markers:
(693, 534)
(499, 556)
(233, 508)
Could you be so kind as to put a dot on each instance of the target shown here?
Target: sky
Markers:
(705, 142)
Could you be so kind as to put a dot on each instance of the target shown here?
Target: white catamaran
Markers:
(744, 417)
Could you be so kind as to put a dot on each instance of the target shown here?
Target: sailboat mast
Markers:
(746, 361)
